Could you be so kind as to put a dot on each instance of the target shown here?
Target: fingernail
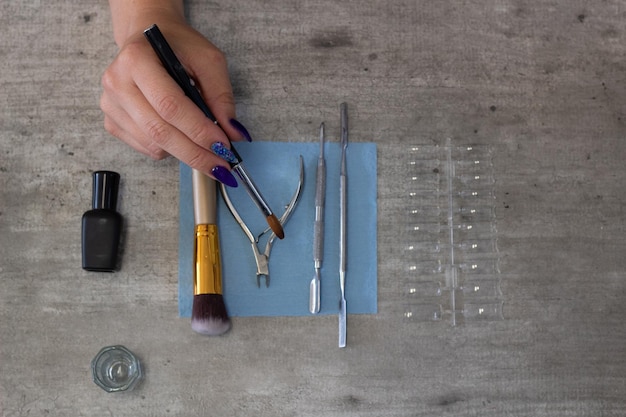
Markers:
(223, 152)
(224, 176)
(241, 129)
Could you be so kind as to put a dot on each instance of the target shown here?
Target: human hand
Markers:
(145, 108)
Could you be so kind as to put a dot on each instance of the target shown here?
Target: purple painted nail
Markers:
(223, 152)
(224, 176)
(241, 129)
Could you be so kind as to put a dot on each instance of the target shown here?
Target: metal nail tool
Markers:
(342, 225)
(318, 228)
(262, 259)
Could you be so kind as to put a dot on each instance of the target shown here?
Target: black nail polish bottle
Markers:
(102, 225)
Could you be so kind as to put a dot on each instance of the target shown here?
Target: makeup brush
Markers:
(209, 315)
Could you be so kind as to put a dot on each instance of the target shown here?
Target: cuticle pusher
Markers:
(342, 225)
(318, 229)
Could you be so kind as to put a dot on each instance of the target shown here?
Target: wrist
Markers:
(132, 16)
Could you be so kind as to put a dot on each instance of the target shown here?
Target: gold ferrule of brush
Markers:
(208, 267)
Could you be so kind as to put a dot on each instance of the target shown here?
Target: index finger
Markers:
(211, 73)
(173, 106)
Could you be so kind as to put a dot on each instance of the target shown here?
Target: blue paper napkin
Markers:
(275, 169)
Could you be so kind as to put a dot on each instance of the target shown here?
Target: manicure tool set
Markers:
(275, 229)
(318, 226)
(262, 258)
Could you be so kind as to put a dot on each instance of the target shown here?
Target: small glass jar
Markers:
(116, 368)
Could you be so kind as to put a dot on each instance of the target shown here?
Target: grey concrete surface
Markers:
(541, 82)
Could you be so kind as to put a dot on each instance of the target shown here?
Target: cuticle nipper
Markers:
(262, 259)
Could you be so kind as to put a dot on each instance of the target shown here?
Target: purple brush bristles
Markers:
(209, 316)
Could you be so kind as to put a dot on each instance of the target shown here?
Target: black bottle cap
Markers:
(105, 188)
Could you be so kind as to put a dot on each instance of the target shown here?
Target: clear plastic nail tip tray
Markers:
(449, 251)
